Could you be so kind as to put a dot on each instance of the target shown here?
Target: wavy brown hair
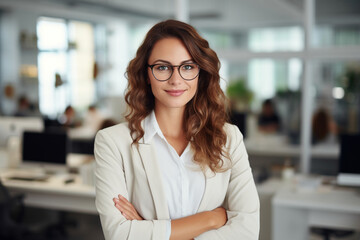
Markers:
(205, 114)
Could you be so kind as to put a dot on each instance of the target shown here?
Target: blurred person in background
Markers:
(175, 169)
(24, 107)
(268, 120)
(69, 119)
(324, 128)
(107, 122)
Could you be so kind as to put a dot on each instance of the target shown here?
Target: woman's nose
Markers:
(175, 78)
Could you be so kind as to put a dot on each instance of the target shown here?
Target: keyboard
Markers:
(28, 178)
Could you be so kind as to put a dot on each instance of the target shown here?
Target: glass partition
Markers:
(337, 23)
(328, 35)
(336, 111)
(272, 136)
(269, 39)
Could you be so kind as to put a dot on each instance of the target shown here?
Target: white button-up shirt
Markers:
(183, 180)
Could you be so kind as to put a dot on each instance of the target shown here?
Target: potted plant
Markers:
(240, 97)
(239, 94)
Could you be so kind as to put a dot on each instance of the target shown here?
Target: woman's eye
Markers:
(162, 68)
(188, 67)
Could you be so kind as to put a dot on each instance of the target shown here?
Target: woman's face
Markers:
(175, 92)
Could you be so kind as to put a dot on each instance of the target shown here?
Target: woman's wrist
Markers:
(218, 218)
(194, 225)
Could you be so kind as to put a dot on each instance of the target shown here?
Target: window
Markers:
(65, 64)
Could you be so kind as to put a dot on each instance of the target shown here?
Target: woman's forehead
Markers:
(170, 50)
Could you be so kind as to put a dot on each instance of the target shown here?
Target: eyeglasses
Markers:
(163, 72)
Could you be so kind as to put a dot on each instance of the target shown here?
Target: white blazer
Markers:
(123, 168)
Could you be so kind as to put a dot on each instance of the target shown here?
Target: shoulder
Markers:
(117, 133)
(232, 131)
(234, 136)
(118, 128)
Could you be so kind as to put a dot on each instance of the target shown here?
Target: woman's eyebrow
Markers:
(167, 62)
(187, 61)
(161, 61)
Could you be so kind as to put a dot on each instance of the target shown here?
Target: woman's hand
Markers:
(126, 208)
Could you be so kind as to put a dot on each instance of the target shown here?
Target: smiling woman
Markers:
(168, 86)
(175, 169)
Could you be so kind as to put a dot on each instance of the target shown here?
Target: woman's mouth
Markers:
(175, 93)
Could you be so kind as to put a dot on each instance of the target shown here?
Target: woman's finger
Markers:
(130, 210)
(126, 208)
(117, 205)
(127, 215)
(129, 207)
(123, 208)
(124, 211)
(125, 201)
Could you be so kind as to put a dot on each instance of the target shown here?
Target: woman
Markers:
(175, 169)
(324, 128)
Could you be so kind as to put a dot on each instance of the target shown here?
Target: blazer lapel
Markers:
(151, 166)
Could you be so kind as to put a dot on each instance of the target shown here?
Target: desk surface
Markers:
(344, 200)
(296, 207)
(312, 195)
(53, 193)
(281, 148)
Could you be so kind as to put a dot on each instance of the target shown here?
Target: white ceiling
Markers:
(231, 15)
(240, 14)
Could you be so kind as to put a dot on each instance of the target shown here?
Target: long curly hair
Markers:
(205, 114)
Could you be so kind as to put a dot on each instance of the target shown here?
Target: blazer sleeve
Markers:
(242, 200)
(110, 181)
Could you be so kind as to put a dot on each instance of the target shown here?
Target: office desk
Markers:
(54, 193)
(295, 211)
(268, 148)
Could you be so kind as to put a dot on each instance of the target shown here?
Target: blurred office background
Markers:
(301, 57)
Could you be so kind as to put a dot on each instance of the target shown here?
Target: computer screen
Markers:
(44, 147)
(15, 126)
(349, 162)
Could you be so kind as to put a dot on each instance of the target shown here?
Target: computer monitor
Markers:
(47, 149)
(15, 126)
(349, 162)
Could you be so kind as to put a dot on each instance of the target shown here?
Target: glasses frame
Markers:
(172, 71)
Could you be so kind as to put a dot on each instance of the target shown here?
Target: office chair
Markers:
(12, 210)
(9, 227)
(11, 214)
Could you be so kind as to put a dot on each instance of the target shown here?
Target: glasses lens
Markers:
(162, 72)
(189, 71)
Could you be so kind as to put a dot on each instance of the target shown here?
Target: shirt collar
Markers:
(151, 128)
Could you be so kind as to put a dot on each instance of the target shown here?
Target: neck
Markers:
(171, 121)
